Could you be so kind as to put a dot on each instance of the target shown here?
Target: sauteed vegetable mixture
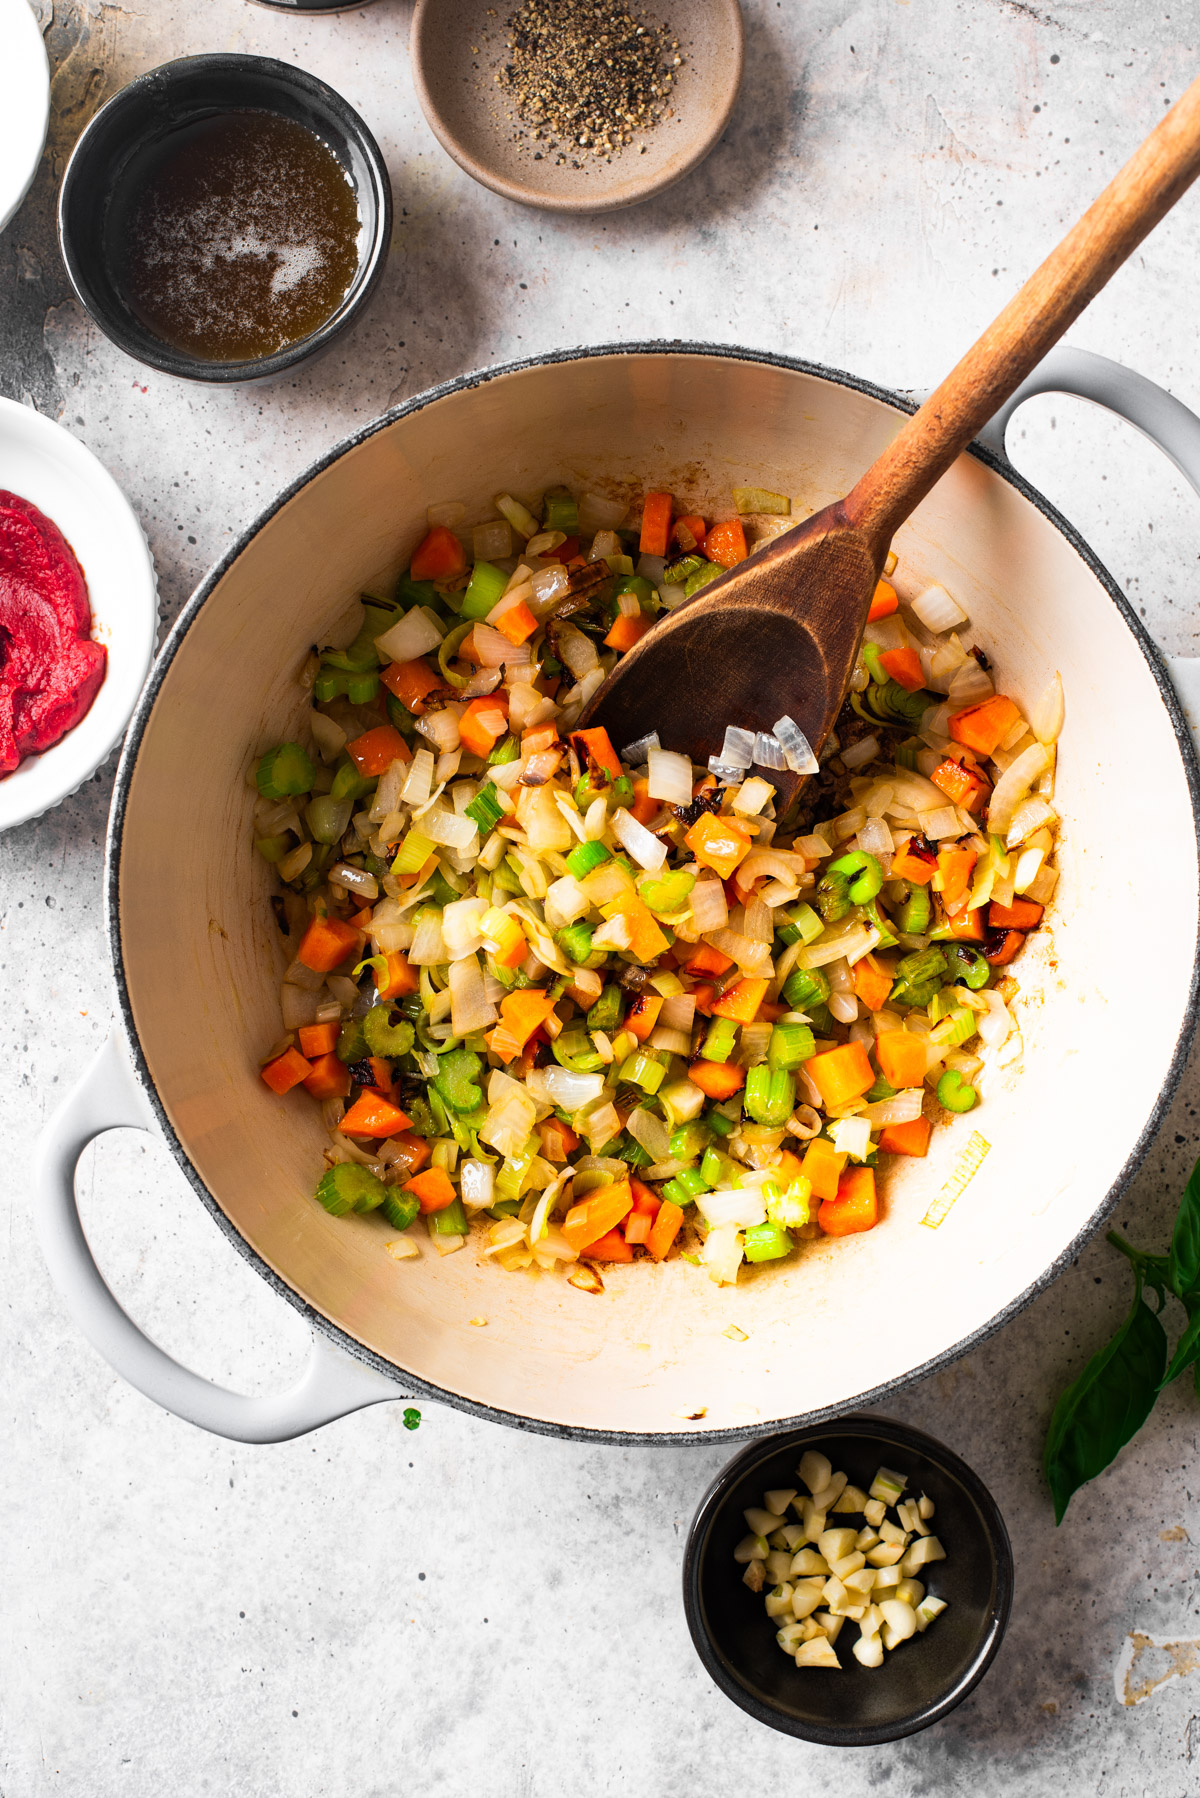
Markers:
(599, 1001)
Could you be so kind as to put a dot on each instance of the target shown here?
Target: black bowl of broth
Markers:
(224, 217)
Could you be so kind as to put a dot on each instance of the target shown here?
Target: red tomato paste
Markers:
(50, 670)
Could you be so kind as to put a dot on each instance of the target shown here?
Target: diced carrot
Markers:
(769, 1013)
(904, 665)
(541, 736)
(318, 1039)
(637, 1228)
(612, 1246)
(883, 602)
(483, 723)
(822, 1167)
(741, 1002)
(726, 543)
(873, 981)
(377, 749)
(596, 1215)
(718, 843)
(961, 785)
(371, 1115)
(468, 650)
(381, 1073)
(594, 746)
(855, 1207)
(565, 552)
(329, 1079)
(517, 623)
(955, 867)
(411, 682)
(627, 630)
(642, 1015)
(646, 940)
(439, 556)
(362, 918)
(326, 944)
(398, 979)
(982, 727)
(643, 808)
(645, 1199)
(707, 960)
(705, 996)
(901, 1056)
(840, 1075)
(433, 1189)
(656, 524)
(1010, 945)
(665, 1229)
(906, 1139)
(689, 527)
(414, 1151)
(1022, 914)
(524, 1011)
(964, 926)
(287, 1070)
(719, 1079)
(559, 1141)
(787, 1167)
(910, 863)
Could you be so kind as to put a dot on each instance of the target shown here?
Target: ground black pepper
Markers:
(587, 75)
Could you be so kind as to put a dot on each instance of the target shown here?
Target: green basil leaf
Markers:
(1185, 1240)
(1187, 1349)
(1107, 1404)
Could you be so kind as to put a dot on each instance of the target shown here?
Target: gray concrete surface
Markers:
(462, 1610)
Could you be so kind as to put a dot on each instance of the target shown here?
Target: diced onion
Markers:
(494, 649)
(328, 735)
(564, 1087)
(669, 777)
(1047, 715)
(852, 1136)
(441, 727)
(875, 838)
(862, 752)
(1030, 815)
(450, 828)
(460, 927)
(477, 1184)
(492, 542)
(415, 634)
(722, 1254)
(354, 880)
(971, 685)
(710, 908)
(520, 518)
(937, 611)
(1013, 786)
(905, 1108)
(642, 845)
(577, 651)
(469, 1005)
(428, 947)
(942, 822)
(650, 1132)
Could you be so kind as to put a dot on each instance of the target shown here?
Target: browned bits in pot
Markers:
(588, 76)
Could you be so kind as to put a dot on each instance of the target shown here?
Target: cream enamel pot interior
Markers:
(198, 955)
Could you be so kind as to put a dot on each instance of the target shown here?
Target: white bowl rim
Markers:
(127, 612)
(23, 148)
(413, 1384)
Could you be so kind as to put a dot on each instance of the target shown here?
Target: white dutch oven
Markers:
(1016, 1185)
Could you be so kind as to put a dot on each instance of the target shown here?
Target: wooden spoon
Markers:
(779, 634)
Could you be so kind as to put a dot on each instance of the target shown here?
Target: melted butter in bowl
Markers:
(234, 236)
(225, 217)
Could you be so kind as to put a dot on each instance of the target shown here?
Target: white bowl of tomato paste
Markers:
(78, 613)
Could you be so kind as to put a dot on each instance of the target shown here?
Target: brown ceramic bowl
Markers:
(458, 45)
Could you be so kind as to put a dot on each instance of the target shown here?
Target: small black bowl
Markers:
(160, 101)
(922, 1680)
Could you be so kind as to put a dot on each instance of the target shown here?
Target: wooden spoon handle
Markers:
(1052, 298)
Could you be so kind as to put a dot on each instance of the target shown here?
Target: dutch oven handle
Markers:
(108, 1098)
(1166, 421)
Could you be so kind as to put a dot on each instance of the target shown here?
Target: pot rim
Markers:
(129, 753)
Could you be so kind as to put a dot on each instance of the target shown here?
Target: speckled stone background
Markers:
(466, 1610)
